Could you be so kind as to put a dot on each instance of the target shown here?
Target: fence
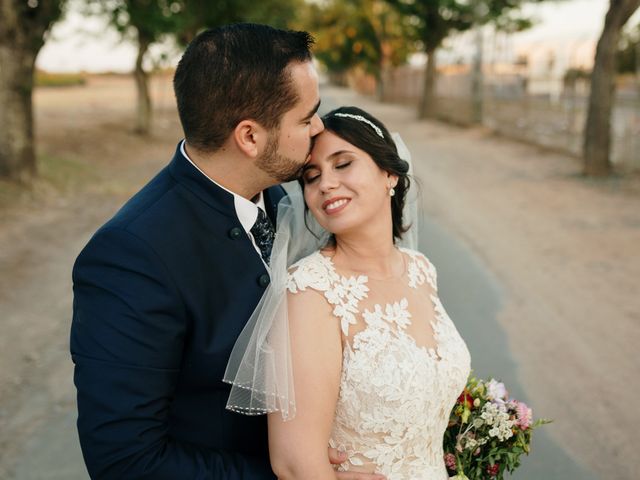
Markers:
(554, 117)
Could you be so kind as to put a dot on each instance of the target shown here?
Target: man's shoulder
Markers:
(145, 201)
(144, 216)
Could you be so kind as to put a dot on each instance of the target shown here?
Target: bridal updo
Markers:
(369, 134)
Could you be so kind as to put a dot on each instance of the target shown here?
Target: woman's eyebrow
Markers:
(338, 153)
(329, 158)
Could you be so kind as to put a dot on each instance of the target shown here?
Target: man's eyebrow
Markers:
(313, 112)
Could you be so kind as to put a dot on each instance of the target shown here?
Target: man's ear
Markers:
(250, 137)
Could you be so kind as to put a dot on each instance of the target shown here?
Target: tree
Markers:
(435, 20)
(150, 21)
(199, 14)
(628, 54)
(365, 33)
(597, 132)
(23, 28)
(145, 22)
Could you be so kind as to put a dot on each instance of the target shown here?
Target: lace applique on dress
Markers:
(317, 272)
(404, 365)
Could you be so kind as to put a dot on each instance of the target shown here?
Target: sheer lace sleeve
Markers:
(421, 270)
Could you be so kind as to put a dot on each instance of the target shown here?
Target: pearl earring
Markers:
(392, 192)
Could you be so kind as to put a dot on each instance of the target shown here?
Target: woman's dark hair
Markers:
(382, 150)
(233, 73)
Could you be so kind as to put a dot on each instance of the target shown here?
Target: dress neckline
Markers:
(396, 278)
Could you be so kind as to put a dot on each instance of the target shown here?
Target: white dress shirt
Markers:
(246, 210)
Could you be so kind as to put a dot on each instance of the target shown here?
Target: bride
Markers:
(351, 346)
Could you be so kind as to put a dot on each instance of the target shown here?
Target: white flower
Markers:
(496, 391)
(489, 413)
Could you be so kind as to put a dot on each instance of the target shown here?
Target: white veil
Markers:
(259, 369)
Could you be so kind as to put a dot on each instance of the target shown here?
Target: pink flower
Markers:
(450, 461)
(524, 415)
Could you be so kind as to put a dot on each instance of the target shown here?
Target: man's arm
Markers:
(127, 339)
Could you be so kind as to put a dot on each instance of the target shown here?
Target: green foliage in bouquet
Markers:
(487, 432)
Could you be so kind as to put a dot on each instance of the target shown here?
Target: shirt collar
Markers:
(246, 210)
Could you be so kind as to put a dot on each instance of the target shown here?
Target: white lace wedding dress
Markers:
(404, 365)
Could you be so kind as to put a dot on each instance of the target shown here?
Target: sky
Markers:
(566, 28)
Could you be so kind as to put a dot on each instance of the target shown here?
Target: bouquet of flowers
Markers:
(487, 432)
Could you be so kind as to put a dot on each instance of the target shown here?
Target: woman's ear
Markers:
(392, 179)
(250, 137)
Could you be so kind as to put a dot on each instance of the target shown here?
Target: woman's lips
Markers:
(335, 205)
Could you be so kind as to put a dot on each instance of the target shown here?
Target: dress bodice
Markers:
(404, 365)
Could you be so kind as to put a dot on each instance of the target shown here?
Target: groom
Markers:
(164, 288)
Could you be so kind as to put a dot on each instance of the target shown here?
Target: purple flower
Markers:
(496, 392)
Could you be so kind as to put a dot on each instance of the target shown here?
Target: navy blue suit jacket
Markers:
(161, 292)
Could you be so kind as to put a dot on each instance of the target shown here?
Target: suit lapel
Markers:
(272, 197)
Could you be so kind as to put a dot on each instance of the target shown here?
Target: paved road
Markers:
(472, 298)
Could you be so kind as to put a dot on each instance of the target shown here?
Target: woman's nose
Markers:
(328, 181)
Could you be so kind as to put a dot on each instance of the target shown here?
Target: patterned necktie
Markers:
(263, 233)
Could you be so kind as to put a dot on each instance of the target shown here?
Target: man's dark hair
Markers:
(233, 73)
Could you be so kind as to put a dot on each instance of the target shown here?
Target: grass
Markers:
(57, 176)
(48, 79)
(10, 192)
(63, 173)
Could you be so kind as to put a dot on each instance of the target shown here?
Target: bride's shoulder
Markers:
(415, 255)
(420, 268)
(313, 271)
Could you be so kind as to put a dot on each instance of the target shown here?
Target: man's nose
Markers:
(316, 125)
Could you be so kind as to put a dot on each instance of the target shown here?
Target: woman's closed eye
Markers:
(312, 177)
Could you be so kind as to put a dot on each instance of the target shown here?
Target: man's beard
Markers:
(277, 166)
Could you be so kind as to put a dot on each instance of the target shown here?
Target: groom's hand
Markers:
(336, 457)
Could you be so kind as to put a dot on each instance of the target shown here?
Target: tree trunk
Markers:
(22, 30)
(381, 78)
(380, 93)
(428, 107)
(143, 118)
(597, 132)
(17, 152)
(477, 80)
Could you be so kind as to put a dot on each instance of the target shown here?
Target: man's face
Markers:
(288, 147)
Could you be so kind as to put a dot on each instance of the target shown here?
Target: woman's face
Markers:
(344, 188)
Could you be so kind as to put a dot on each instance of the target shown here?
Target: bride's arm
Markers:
(298, 447)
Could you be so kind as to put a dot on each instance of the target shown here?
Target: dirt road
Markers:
(565, 251)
